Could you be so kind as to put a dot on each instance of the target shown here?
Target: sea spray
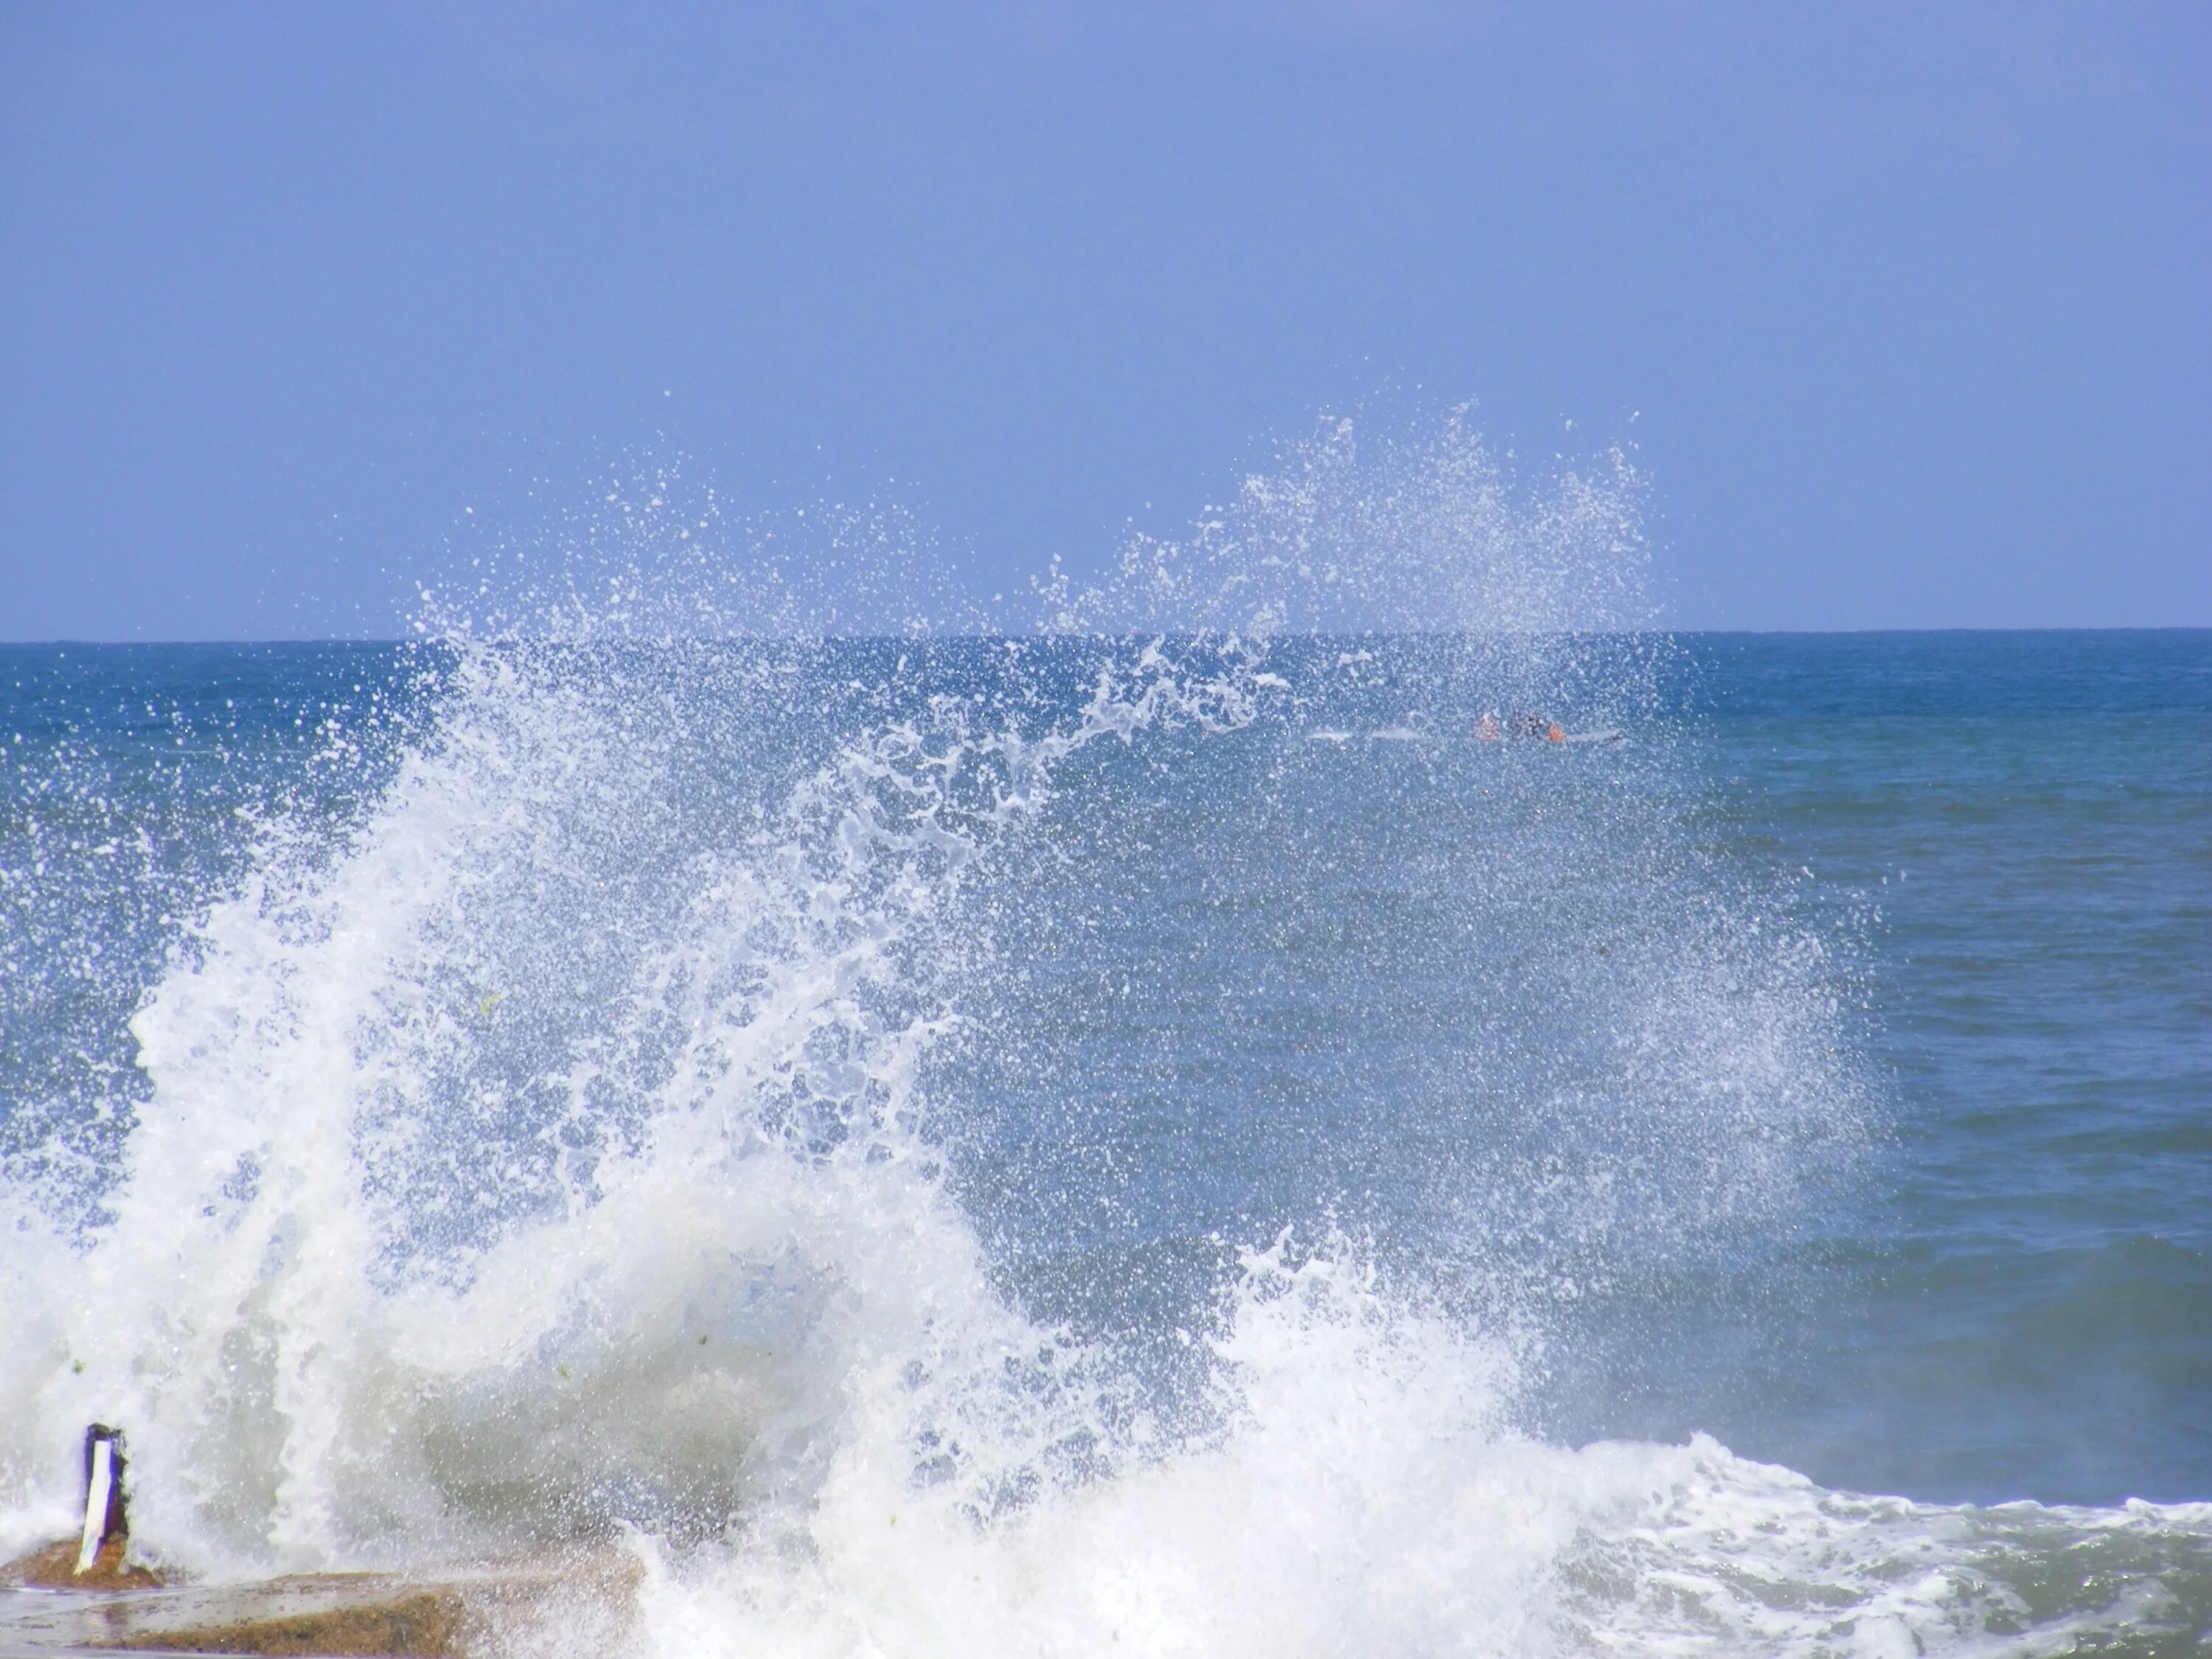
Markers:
(346, 1150)
(1099, 1140)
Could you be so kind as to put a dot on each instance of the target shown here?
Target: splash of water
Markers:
(590, 1137)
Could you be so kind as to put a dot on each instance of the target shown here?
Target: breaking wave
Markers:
(1100, 1139)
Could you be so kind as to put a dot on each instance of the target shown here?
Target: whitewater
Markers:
(1141, 1133)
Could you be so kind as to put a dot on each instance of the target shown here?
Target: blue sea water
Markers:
(1821, 1066)
(2021, 1291)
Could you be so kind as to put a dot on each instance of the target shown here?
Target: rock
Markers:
(424, 1625)
(583, 1600)
(54, 1567)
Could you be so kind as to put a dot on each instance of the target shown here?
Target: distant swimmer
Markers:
(1526, 725)
(1522, 724)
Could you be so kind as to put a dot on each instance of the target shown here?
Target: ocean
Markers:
(1271, 1140)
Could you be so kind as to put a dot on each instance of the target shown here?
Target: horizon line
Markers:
(59, 642)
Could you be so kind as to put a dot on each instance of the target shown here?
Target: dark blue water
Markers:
(1367, 967)
(2022, 1299)
(1812, 1049)
(2003, 842)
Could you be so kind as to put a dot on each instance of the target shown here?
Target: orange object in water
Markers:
(1552, 734)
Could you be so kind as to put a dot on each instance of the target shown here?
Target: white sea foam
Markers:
(1366, 1495)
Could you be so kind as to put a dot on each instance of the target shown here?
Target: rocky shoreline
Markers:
(117, 1606)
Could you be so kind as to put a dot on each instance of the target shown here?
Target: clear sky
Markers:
(1907, 308)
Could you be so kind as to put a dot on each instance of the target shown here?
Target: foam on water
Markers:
(567, 1145)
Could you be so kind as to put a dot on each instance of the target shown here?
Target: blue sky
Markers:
(1904, 306)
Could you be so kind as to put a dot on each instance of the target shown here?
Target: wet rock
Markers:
(54, 1567)
(427, 1624)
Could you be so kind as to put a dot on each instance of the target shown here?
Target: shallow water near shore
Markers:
(1131, 1140)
